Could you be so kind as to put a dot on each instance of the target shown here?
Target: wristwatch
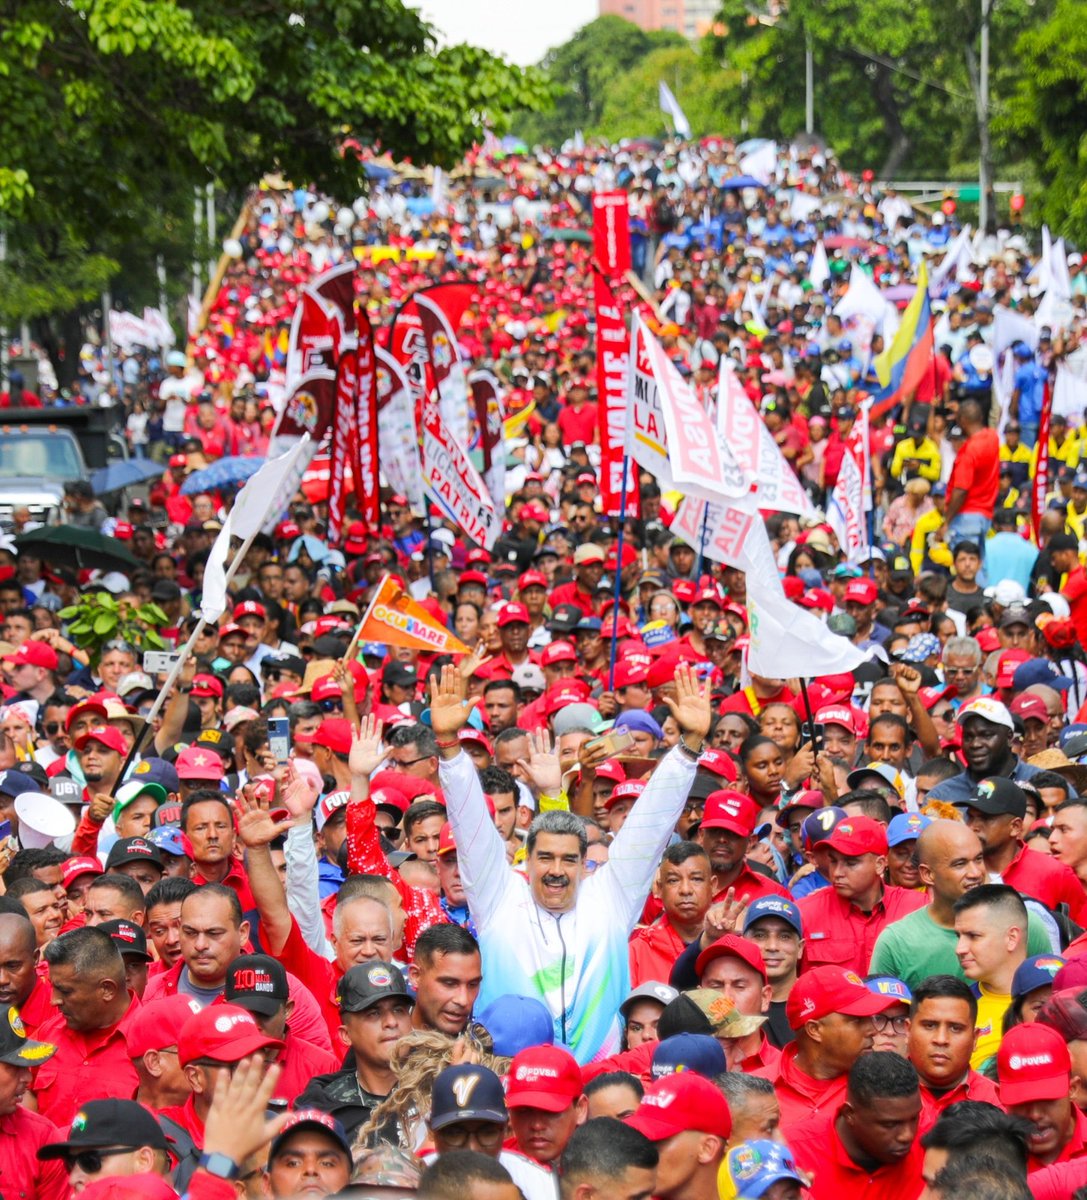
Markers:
(219, 1165)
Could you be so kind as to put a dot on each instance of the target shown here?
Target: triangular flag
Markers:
(819, 271)
(397, 620)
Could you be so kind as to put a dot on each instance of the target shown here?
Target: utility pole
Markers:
(809, 86)
(984, 145)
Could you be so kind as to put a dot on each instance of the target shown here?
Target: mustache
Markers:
(558, 880)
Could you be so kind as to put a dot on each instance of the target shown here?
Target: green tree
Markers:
(1046, 115)
(114, 110)
(583, 70)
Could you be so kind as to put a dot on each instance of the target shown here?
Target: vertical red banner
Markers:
(611, 232)
(612, 356)
(340, 450)
(367, 482)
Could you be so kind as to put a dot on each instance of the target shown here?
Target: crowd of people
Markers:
(590, 911)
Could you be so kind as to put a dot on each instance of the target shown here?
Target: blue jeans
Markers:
(970, 527)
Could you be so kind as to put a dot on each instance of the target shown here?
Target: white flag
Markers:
(789, 642)
(761, 164)
(845, 512)
(819, 270)
(957, 258)
(246, 517)
(670, 105)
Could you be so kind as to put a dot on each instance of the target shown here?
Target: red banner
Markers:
(309, 404)
(342, 443)
(446, 366)
(612, 356)
(487, 394)
(367, 483)
(611, 232)
(407, 342)
(1041, 471)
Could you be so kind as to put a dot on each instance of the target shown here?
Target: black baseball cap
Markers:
(133, 849)
(997, 797)
(257, 983)
(564, 618)
(398, 674)
(362, 986)
(294, 663)
(16, 1049)
(108, 1123)
(128, 937)
(311, 1118)
(481, 1089)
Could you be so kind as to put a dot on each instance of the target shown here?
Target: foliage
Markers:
(584, 69)
(115, 110)
(98, 617)
(1047, 114)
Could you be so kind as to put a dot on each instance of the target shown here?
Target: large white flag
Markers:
(246, 517)
(761, 164)
(670, 105)
(819, 270)
(788, 641)
(956, 258)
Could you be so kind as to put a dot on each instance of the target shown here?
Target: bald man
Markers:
(951, 862)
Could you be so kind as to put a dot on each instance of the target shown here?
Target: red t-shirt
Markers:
(578, 426)
(977, 472)
(1075, 592)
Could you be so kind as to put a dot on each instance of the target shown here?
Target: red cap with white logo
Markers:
(731, 810)
(680, 1102)
(222, 1033)
(1033, 1063)
(546, 1077)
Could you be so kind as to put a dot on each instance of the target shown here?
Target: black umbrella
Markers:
(73, 546)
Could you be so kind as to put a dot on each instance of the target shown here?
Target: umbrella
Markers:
(741, 181)
(223, 473)
(554, 234)
(74, 546)
(125, 473)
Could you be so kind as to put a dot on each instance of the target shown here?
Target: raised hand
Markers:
(725, 917)
(908, 678)
(449, 710)
(691, 706)
(236, 1124)
(367, 751)
(256, 825)
(299, 792)
(541, 768)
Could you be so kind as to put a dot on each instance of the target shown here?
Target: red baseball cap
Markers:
(817, 598)
(355, 540)
(249, 608)
(194, 762)
(109, 737)
(35, 654)
(988, 639)
(1033, 1063)
(736, 947)
(90, 704)
(1005, 668)
(446, 842)
(206, 685)
(546, 1077)
(478, 555)
(532, 579)
(678, 1102)
(719, 763)
(223, 1033)
(334, 733)
(861, 591)
(325, 688)
(931, 696)
(837, 714)
(626, 789)
(570, 691)
(468, 734)
(513, 613)
(391, 799)
(858, 835)
(611, 769)
(155, 1025)
(534, 511)
(731, 810)
(1030, 706)
(793, 587)
(821, 991)
(230, 629)
(287, 531)
(85, 864)
(630, 674)
(611, 560)
(557, 652)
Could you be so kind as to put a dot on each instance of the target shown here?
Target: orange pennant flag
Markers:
(397, 620)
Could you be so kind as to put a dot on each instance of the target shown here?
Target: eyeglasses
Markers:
(52, 728)
(331, 706)
(899, 1024)
(410, 762)
(119, 644)
(90, 1161)
(273, 676)
(488, 1134)
(960, 670)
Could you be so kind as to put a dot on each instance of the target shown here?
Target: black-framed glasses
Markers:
(899, 1024)
(488, 1133)
(410, 762)
(90, 1161)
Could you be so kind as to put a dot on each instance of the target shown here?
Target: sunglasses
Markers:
(90, 1161)
(330, 705)
(52, 728)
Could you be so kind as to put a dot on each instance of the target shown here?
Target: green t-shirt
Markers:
(915, 947)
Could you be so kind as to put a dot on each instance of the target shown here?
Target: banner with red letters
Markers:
(453, 483)
(367, 480)
(612, 358)
(611, 232)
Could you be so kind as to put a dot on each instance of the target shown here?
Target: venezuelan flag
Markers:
(902, 365)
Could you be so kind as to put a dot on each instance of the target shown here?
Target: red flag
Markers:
(309, 404)
(612, 356)
(342, 446)
(315, 334)
(1041, 471)
(366, 472)
(611, 232)
(407, 343)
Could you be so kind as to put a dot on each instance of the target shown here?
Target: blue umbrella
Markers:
(226, 472)
(740, 181)
(124, 473)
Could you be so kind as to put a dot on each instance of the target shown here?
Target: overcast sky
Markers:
(519, 30)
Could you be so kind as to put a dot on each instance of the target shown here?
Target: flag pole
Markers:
(702, 540)
(808, 714)
(617, 595)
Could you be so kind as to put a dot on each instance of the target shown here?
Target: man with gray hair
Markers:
(962, 660)
(560, 936)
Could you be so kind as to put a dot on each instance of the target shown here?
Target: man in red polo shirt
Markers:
(94, 1010)
(842, 922)
(581, 591)
(685, 886)
(23, 984)
(578, 419)
(869, 1145)
(1034, 1070)
(728, 821)
(975, 479)
(941, 1040)
(831, 1012)
(734, 967)
(22, 1131)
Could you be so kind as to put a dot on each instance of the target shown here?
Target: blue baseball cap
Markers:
(697, 1052)
(846, 571)
(820, 825)
(168, 838)
(905, 827)
(888, 985)
(640, 721)
(589, 625)
(920, 647)
(757, 1165)
(156, 770)
(374, 649)
(774, 906)
(515, 1022)
(1039, 670)
(1034, 973)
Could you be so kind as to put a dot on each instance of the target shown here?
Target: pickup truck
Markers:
(41, 449)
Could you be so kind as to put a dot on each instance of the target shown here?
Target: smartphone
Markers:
(806, 732)
(616, 741)
(279, 738)
(159, 662)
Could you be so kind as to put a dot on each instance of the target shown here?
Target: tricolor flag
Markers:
(911, 353)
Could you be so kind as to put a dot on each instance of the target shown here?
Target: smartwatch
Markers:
(219, 1165)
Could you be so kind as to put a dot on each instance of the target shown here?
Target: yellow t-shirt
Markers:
(990, 1025)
